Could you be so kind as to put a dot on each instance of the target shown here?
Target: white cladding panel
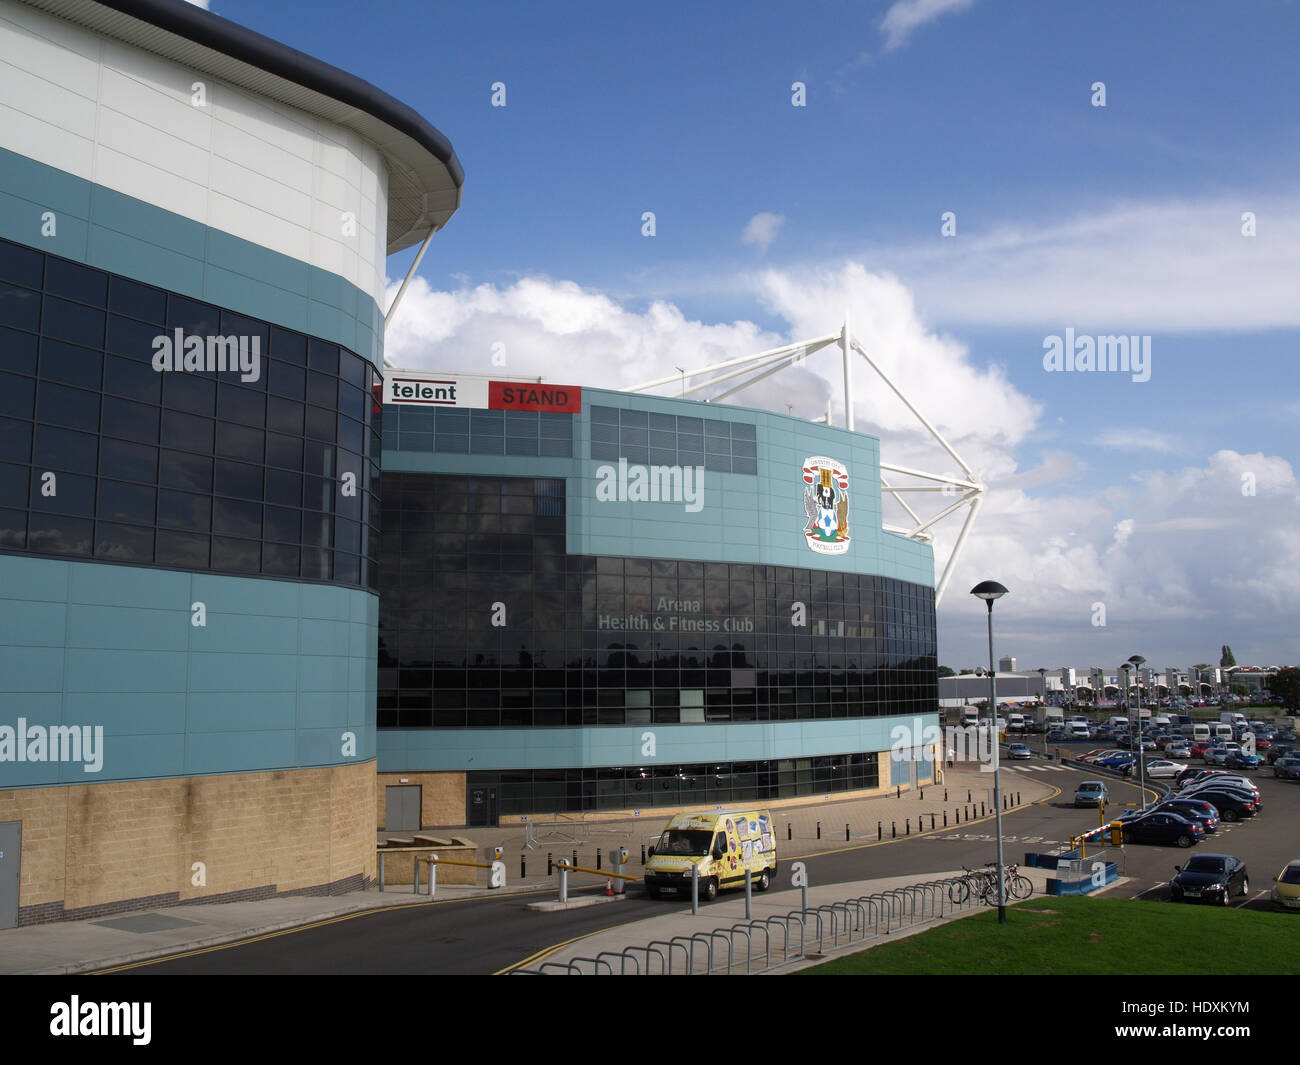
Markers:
(252, 167)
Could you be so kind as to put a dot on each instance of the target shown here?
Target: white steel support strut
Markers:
(967, 486)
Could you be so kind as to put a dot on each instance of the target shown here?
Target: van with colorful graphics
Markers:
(721, 845)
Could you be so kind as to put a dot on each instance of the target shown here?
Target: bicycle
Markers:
(1015, 887)
(973, 881)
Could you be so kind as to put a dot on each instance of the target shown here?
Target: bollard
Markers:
(523, 866)
(643, 854)
(564, 882)
(932, 822)
(945, 794)
(923, 793)
(983, 811)
(968, 799)
(880, 831)
(789, 830)
(846, 834)
(550, 864)
(908, 825)
(749, 897)
(945, 819)
(597, 857)
(819, 830)
(893, 829)
(1017, 798)
(575, 856)
(618, 857)
(381, 870)
(433, 876)
(416, 881)
(898, 791)
(695, 890)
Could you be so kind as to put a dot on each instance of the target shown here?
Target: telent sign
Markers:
(436, 391)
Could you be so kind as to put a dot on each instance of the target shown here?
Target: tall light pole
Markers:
(1137, 661)
(988, 591)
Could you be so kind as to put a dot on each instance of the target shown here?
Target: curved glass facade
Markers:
(105, 457)
(486, 622)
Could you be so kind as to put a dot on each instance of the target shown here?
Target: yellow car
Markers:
(1286, 887)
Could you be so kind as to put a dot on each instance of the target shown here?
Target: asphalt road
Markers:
(490, 933)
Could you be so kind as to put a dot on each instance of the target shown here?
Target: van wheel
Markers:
(764, 880)
(709, 889)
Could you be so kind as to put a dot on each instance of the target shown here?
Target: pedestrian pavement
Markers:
(965, 797)
(624, 953)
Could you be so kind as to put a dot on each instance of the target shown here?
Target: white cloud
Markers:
(1139, 268)
(761, 230)
(1124, 438)
(904, 16)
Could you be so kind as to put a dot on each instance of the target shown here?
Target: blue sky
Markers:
(1117, 219)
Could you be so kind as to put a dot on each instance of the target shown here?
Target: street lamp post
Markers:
(1137, 661)
(988, 591)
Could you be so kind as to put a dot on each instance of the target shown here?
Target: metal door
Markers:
(402, 808)
(11, 839)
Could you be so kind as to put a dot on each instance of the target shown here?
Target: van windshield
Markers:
(685, 843)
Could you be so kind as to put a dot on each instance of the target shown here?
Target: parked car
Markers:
(1210, 878)
(1159, 768)
(1178, 749)
(1162, 828)
(1199, 749)
(1286, 887)
(1232, 805)
(1222, 778)
(1091, 793)
(1287, 768)
(1194, 810)
(1242, 760)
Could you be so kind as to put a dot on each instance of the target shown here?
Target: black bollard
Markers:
(945, 794)
(898, 791)
(908, 825)
(643, 854)
(945, 819)
(789, 830)
(1017, 798)
(983, 811)
(932, 822)
(968, 798)
(893, 829)
(550, 864)
(880, 830)
(923, 793)
(846, 834)
(597, 857)
(819, 830)
(575, 856)
(523, 866)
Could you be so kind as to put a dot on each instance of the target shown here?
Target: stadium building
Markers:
(194, 226)
(594, 600)
(232, 643)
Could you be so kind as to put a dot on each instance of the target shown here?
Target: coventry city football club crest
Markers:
(826, 502)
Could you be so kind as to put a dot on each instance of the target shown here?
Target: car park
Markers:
(1212, 878)
(1091, 793)
(1162, 828)
(1286, 887)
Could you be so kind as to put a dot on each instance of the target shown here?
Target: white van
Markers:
(1201, 733)
(1222, 732)
(1113, 723)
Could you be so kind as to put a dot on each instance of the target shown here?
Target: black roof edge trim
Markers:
(204, 28)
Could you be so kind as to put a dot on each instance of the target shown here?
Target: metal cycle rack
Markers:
(844, 923)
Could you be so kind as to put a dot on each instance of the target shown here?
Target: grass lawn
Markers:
(1091, 936)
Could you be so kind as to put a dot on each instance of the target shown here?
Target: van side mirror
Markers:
(717, 853)
(650, 852)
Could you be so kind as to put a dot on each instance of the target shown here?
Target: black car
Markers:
(1210, 878)
(1159, 827)
(1232, 805)
(1194, 810)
